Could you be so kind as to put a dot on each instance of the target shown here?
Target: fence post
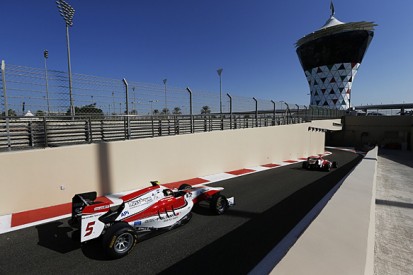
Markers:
(90, 130)
(127, 109)
(31, 136)
(190, 109)
(256, 111)
(153, 130)
(305, 118)
(273, 115)
(6, 106)
(46, 142)
(230, 110)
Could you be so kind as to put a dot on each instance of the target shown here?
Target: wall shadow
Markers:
(401, 157)
(105, 168)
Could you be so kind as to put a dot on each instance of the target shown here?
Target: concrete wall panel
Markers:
(46, 177)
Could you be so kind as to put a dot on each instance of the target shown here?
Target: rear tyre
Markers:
(327, 167)
(335, 164)
(119, 240)
(305, 165)
(184, 187)
(219, 204)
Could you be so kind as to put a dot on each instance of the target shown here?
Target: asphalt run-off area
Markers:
(268, 205)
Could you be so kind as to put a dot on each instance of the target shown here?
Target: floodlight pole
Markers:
(67, 12)
(69, 67)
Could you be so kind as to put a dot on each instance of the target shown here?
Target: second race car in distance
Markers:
(319, 163)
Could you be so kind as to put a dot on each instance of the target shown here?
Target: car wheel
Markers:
(184, 187)
(327, 167)
(219, 204)
(119, 240)
(335, 164)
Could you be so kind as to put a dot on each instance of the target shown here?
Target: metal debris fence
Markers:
(35, 110)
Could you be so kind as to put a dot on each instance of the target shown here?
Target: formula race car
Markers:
(120, 219)
(319, 163)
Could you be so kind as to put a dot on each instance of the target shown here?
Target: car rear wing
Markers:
(79, 202)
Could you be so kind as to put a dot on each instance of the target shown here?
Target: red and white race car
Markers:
(120, 219)
(319, 163)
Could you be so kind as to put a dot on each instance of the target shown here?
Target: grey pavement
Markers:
(394, 213)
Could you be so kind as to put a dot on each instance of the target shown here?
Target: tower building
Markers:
(330, 58)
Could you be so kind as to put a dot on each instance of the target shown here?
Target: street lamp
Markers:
(67, 12)
(166, 106)
(219, 71)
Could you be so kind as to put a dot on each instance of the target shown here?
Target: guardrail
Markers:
(18, 133)
(112, 109)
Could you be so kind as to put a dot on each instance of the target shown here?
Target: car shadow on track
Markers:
(60, 237)
(57, 237)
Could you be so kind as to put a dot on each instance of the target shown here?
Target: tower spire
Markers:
(332, 8)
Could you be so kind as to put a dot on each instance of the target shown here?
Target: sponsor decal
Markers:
(140, 201)
(169, 219)
(136, 223)
(124, 213)
(101, 207)
(151, 220)
(112, 242)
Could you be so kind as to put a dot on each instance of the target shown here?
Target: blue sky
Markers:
(185, 41)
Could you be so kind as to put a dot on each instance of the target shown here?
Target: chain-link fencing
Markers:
(37, 109)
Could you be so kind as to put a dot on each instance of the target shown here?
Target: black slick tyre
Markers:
(305, 165)
(219, 204)
(184, 187)
(119, 240)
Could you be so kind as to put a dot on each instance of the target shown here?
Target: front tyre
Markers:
(119, 240)
(219, 204)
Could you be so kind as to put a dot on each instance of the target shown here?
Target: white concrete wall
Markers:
(340, 240)
(45, 177)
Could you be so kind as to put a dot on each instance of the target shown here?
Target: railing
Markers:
(18, 133)
(101, 105)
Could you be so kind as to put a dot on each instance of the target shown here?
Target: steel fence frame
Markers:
(117, 109)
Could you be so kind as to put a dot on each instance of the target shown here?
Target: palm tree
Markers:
(205, 110)
(155, 112)
(177, 111)
(165, 111)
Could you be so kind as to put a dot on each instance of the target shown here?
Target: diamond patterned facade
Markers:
(331, 85)
(330, 58)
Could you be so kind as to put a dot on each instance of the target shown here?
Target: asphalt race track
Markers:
(268, 205)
